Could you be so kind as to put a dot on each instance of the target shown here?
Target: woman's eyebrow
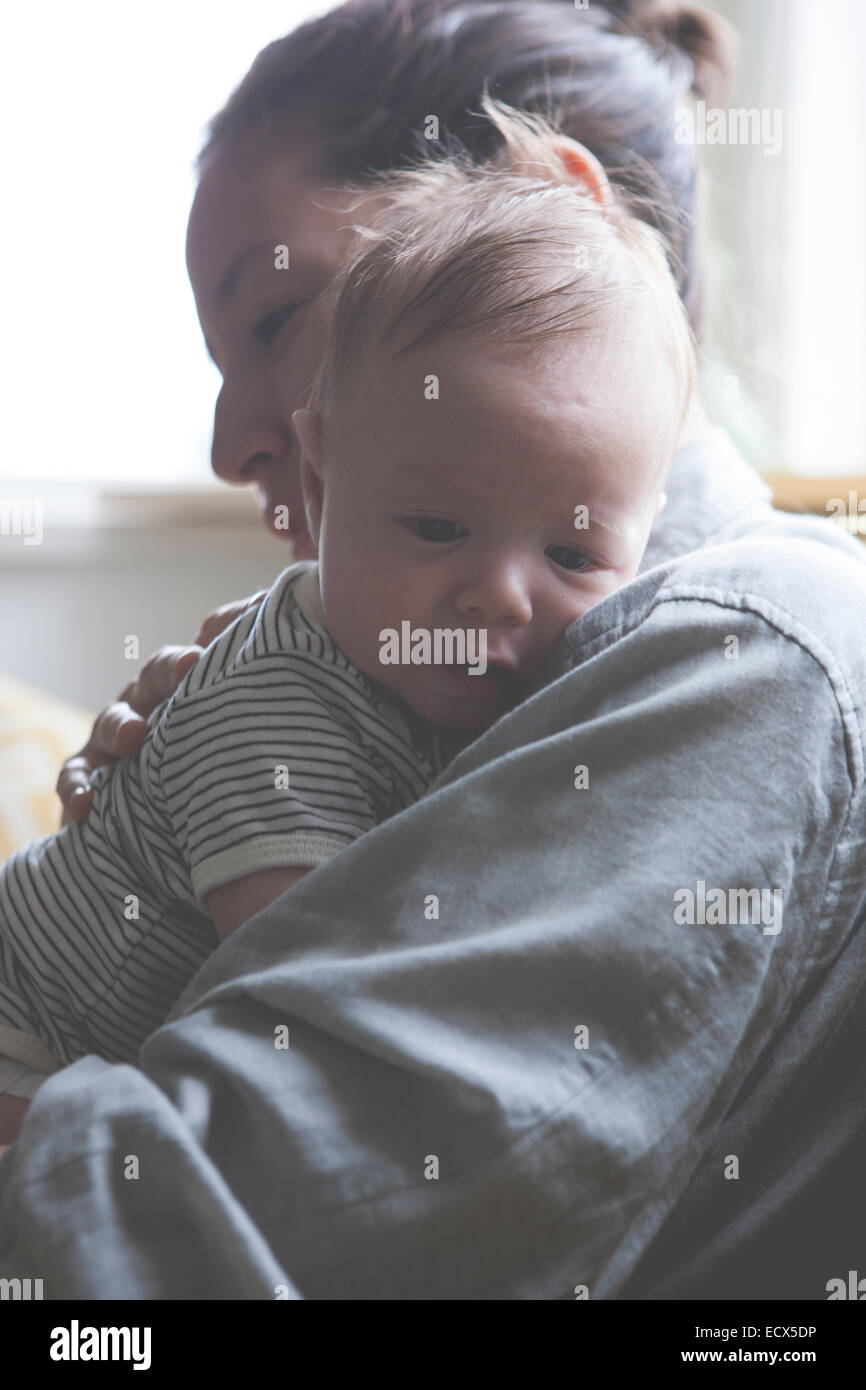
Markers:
(229, 283)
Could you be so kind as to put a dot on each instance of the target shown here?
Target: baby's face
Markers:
(513, 503)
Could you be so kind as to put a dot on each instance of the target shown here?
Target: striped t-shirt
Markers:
(275, 751)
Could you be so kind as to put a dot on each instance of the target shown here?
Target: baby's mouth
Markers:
(503, 677)
(494, 668)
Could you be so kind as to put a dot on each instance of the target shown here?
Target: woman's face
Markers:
(260, 328)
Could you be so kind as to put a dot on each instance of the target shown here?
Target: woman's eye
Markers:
(432, 528)
(569, 559)
(267, 328)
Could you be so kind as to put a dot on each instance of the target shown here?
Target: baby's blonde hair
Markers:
(512, 251)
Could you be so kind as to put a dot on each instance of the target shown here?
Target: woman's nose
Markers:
(244, 441)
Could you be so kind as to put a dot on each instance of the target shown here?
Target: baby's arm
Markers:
(229, 905)
(234, 903)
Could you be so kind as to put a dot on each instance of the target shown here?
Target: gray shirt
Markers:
(587, 1016)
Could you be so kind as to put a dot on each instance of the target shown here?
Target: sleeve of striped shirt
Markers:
(259, 773)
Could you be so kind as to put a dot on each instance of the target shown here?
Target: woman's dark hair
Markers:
(364, 78)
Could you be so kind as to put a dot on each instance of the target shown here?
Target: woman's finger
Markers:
(158, 678)
(74, 789)
(216, 623)
(118, 733)
(120, 730)
(185, 662)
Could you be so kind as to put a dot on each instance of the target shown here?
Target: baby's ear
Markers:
(584, 169)
(569, 161)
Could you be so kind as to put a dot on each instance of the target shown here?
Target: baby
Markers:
(485, 449)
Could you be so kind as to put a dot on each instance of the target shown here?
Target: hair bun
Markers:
(707, 39)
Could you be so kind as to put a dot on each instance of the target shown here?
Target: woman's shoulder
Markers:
(765, 614)
(720, 531)
(781, 577)
(804, 568)
(712, 492)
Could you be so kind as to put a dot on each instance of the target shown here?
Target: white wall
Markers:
(65, 611)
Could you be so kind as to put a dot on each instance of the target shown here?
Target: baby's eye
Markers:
(569, 559)
(266, 330)
(434, 528)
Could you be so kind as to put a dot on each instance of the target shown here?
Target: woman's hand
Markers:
(120, 730)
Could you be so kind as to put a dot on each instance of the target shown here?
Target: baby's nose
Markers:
(495, 594)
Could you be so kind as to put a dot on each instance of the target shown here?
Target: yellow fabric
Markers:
(37, 732)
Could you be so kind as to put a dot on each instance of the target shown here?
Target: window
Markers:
(104, 106)
(785, 262)
(103, 109)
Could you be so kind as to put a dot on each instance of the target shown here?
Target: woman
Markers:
(535, 1036)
